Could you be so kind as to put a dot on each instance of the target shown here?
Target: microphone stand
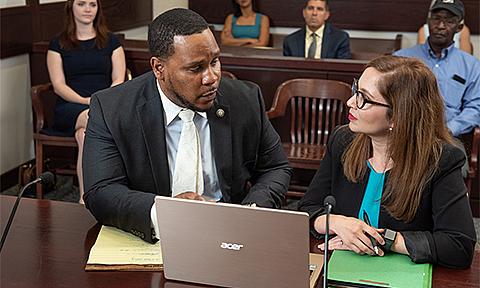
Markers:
(15, 206)
(325, 255)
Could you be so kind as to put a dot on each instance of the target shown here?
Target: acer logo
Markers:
(231, 246)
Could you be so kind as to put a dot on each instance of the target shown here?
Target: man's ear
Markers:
(459, 28)
(158, 67)
(327, 15)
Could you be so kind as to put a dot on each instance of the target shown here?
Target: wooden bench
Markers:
(361, 48)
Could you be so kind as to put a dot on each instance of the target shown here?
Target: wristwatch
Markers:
(389, 237)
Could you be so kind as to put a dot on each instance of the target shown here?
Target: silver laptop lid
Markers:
(232, 245)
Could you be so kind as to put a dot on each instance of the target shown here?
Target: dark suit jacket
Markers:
(442, 231)
(125, 158)
(335, 43)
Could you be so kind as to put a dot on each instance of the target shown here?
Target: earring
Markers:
(390, 129)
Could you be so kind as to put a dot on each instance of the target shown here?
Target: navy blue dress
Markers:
(87, 70)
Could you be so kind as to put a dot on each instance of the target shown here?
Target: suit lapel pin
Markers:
(220, 113)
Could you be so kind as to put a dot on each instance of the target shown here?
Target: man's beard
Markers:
(180, 99)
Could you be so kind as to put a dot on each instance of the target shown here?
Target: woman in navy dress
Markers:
(83, 59)
(245, 27)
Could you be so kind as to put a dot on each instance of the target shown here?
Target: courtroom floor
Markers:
(66, 189)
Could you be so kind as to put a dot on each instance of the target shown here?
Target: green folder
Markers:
(347, 268)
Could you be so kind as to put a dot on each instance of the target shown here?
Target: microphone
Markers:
(46, 178)
(329, 203)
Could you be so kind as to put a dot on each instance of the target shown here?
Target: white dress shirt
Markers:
(173, 129)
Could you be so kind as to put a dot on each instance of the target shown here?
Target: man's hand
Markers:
(190, 196)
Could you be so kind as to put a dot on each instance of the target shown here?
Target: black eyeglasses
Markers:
(436, 20)
(360, 98)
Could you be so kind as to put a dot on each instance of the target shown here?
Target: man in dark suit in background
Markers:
(135, 132)
(318, 39)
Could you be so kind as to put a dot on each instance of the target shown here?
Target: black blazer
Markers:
(442, 231)
(125, 158)
(335, 43)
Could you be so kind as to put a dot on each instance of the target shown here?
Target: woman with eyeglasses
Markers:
(396, 163)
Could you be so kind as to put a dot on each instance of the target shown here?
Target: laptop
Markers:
(232, 245)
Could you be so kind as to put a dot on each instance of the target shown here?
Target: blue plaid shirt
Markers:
(458, 77)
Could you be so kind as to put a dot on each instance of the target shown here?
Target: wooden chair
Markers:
(473, 164)
(314, 107)
(43, 102)
(369, 48)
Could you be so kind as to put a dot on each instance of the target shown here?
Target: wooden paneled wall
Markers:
(22, 26)
(371, 15)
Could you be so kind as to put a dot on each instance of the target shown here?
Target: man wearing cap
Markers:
(458, 73)
(318, 39)
(179, 130)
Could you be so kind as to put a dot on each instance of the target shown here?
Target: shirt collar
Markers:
(444, 53)
(319, 31)
(171, 109)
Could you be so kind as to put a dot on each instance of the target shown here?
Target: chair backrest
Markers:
(316, 107)
(43, 102)
(369, 48)
(472, 145)
(276, 40)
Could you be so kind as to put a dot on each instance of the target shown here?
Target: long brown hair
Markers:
(68, 38)
(417, 138)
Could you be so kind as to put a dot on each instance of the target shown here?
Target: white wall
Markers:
(11, 3)
(160, 6)
(16, 143)
(50, 1)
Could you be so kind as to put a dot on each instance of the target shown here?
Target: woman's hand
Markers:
(336, 243)
(352, 234)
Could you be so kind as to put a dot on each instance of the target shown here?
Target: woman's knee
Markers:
(80, 136)
(82, 120)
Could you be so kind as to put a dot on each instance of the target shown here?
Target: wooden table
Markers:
(49, 242)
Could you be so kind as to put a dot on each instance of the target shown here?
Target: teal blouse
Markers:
(373, 196)
(247, 31)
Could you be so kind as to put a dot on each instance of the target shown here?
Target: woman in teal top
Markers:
(245, 27)
(397, 163)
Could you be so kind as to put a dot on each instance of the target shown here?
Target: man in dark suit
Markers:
(134, 133)
(317, 39)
